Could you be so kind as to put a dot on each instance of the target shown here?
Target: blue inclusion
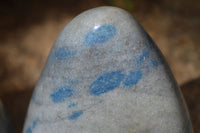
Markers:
(29, 130)
(61, 94)
(133, 78)
(35, 123)
(106, 83)
(100, 34)
(75, 115)
(72, 105)
(154, 62)
(145, 55)
(62, 54)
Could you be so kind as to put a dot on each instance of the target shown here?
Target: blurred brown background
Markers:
(28, 29)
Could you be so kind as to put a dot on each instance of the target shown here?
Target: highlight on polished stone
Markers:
(105, 74)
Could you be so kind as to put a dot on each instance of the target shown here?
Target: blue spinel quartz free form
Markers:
(104, 74)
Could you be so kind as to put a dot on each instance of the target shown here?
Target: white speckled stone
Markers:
(5, 125)
(104, 74)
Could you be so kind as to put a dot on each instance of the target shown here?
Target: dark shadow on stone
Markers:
(16, 104)
(191, 93)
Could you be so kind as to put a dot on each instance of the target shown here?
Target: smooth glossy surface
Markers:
(105, 74)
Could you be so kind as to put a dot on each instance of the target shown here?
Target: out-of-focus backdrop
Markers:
(28, 29)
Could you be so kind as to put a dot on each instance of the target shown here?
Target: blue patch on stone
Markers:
(154, 62)
(30, 128)
(62, 54)
(35, 123)
(100, 34)
(75, 115)
(106, 83)
(72, 105)
(133, 78)
(61, 94)
(143, 56)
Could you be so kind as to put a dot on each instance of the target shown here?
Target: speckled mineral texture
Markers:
(105, 74)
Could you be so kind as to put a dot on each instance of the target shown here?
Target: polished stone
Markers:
(105, 74)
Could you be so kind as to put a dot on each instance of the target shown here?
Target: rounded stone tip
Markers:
(100, 24)
(105, 14)
(105, 74)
